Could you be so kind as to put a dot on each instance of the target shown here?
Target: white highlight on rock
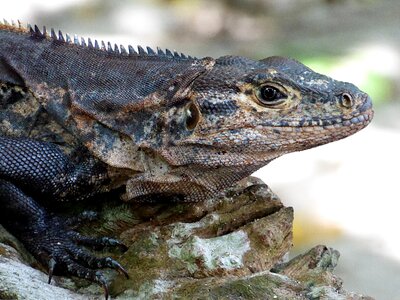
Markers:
(225, 252)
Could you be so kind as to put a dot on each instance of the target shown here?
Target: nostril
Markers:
(367, 104)
(346, 100)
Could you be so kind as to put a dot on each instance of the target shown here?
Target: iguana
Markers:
(159, 123)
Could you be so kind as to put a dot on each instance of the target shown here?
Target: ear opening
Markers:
(192, 116)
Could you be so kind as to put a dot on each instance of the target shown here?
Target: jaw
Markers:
(266, 140)
(213, 156)
(192, 173)
(298, 138)
(201, 167)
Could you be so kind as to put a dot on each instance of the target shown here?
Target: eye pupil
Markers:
(269, 93)
(270, 96)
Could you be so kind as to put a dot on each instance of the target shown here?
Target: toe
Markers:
(75, 269)
(98, 243)
(85, 216)
(87, 259)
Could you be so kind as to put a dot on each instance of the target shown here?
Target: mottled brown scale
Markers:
(171, 124)
(77, 119)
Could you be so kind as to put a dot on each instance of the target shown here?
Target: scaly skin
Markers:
(163, 125)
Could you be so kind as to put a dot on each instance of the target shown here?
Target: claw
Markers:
(115, 243)
(105, 287)
(103, 282)
(121, 246)
(52, 265)
(121, 269)
(111, 263)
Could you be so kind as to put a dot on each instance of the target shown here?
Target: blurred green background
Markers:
(344, 194)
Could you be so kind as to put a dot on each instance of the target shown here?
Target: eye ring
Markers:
(269, 95)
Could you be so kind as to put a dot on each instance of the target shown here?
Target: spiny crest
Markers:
(121, 50)
(13, 26)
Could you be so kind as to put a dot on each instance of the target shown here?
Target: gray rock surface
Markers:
(233, 247)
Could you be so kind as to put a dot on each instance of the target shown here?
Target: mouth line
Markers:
(361, 119)
(365, 116)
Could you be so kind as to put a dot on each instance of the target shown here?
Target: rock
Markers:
(232, 247)
(20, 281)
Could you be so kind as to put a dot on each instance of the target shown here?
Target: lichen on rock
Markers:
(231, 247)
(218, 253)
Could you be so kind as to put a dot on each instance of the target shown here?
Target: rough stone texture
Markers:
(233, 247)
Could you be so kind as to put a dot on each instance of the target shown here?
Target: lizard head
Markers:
(223, 119)
(246, 112)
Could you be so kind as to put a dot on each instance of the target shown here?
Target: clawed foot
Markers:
(54, 244)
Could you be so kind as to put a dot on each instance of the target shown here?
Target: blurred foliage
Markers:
(379, 87)
(320, 33)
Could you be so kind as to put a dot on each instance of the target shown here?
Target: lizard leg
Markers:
(31, 171)
(49, 240)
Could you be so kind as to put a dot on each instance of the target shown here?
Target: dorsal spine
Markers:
(66, 38)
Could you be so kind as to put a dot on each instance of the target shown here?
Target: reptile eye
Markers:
(192, 116)
(270, 95)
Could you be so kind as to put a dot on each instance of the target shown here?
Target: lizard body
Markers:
(161, 124)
